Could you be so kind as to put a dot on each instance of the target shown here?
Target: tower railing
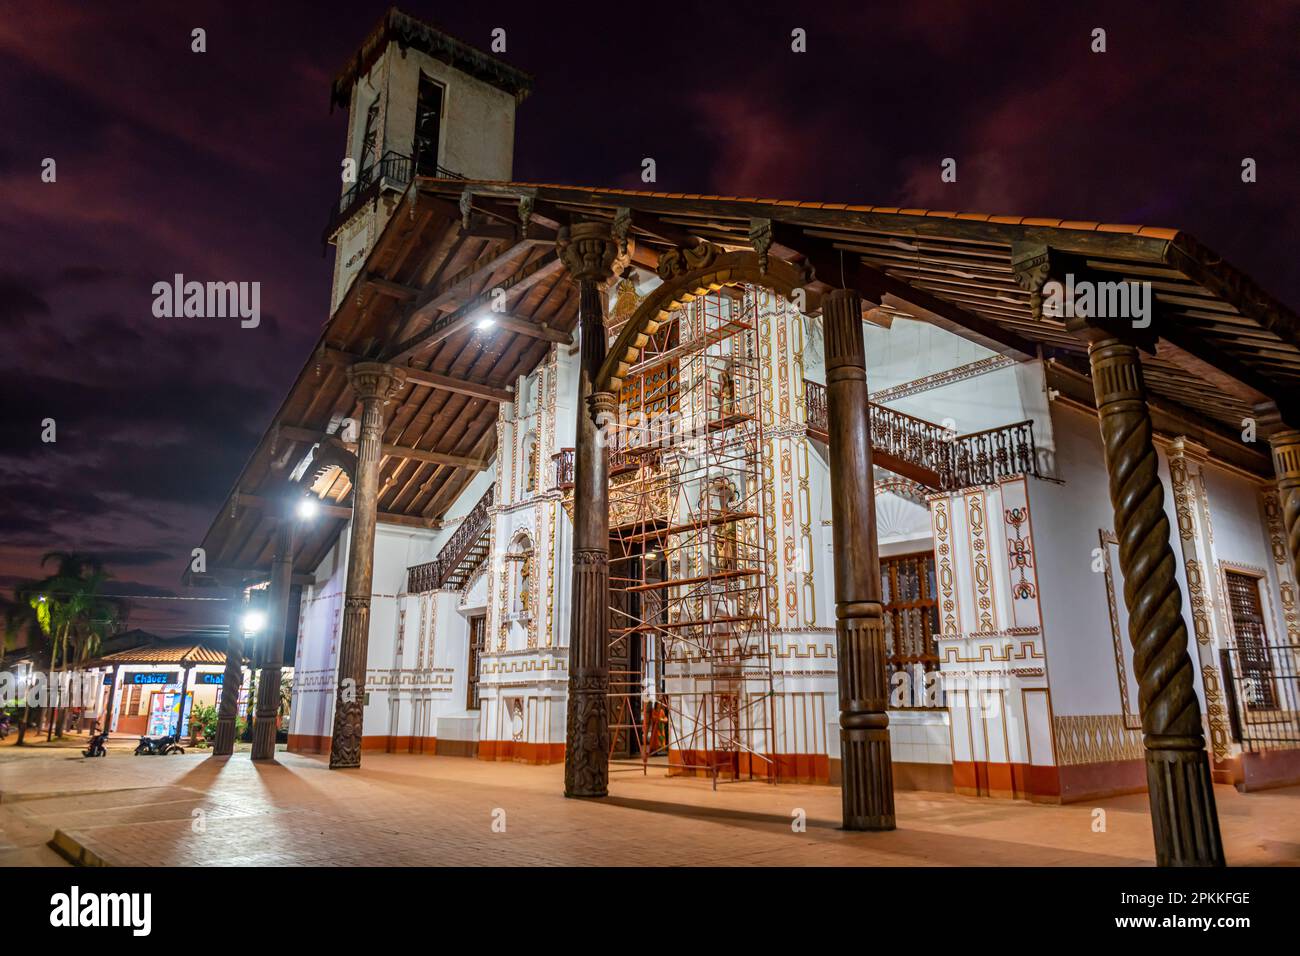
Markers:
(393, 170)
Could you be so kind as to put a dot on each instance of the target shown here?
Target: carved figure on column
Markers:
(587, 251)
(1183, 815)
(228, 711)
(375, 384)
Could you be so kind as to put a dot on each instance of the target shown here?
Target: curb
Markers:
(74, 852)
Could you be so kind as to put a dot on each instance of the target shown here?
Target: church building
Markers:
(768, 490)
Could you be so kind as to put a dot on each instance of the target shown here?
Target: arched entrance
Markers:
(867, 773)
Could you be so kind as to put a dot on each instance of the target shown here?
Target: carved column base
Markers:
(586, 758)
(350, 693)
(223, 745)
(868, 785)
(1179, 784)
(867, 788)
(345, 748)
(268, 704)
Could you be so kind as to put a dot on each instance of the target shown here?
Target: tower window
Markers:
(428, 126)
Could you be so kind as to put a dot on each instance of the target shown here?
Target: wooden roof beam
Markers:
(342, 512)
(313, 436)
(447, 383)
(390, 288)
(834, 265)
(532, 329)
(448, 325)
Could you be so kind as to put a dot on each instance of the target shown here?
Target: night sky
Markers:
(223, 166)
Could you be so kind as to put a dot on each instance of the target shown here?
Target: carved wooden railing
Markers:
(619, 462)
(926, 452)
(434, 574)
(563, 468)
(983, 458)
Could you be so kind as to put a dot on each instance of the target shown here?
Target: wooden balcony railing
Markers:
(463, 544)
(620, 461)
(926, 452)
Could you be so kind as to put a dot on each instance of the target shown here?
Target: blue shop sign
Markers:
(154, 677)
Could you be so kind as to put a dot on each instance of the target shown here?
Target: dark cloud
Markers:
(20, 299)
(223, 165)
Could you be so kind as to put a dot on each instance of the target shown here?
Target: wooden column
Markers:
(868, 773)
(228, 712)
(588, 253)
(272, 656)
(1286, 464)
(1183, 814)
(374, 384)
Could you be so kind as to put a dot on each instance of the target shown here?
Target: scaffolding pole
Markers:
(690, 653)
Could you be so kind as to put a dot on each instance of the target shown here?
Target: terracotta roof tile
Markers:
(1158, 232)
(1154, 232)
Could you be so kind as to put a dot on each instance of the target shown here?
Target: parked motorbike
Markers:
(158, 746)
(5, 726)
(96, 748)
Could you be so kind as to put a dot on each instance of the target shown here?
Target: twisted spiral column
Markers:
(867, 787)
(224, 744)
(375, 384)
(587, 251)
(1183, 814)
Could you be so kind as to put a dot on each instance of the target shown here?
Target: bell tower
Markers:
(420, 103)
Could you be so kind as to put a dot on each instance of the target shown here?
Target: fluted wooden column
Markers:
(374, 384)
(588, 253)
(228, 713)
(1183, 814)
(272, 657)
(1286, 464)
(868, 773)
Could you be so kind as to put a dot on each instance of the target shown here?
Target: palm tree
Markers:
(22, 620)
(73, 615)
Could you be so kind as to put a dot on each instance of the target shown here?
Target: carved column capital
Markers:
(1286, 455)
(842, 330)
(587, 250)
(603, 407)
(376, 380)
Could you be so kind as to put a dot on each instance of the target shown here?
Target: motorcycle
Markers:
(96, 748)
(158, 746)
(5, 726)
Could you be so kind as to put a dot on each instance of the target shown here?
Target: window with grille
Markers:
(428, 126)
(477, 633)
(911, 612)
(1254, 666)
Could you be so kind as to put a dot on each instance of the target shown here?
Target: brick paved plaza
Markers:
(413, 810)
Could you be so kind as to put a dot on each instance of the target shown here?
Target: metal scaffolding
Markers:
(690, 656)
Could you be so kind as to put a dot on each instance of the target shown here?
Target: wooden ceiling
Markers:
(1224, 347)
